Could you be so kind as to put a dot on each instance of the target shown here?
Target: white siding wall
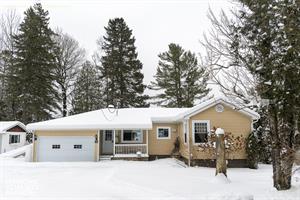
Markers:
(5, 146)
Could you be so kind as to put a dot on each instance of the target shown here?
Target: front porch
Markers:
(123, 144)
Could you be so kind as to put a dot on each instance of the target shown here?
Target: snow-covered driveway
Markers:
(161, 179)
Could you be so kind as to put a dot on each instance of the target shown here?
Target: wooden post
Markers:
(220, 152)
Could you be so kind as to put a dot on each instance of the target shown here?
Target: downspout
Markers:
(253, 121)
(187, 120)
(188, 141)
(33, 153)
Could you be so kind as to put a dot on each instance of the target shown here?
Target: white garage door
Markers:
(65, 148)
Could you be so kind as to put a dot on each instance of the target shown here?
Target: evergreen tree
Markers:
(87, 94)
(179, 78)
(262, 130)
(273, 58)
(121, 69)
(31, 78)
(252, 150)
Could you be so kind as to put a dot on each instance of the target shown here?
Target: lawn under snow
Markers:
(160, 179)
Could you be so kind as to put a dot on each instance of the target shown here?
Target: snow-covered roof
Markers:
(128, 118)
(6, 125)
(214, 101)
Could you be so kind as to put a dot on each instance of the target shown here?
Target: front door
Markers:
(107, 142)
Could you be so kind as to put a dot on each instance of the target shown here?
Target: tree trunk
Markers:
(64, 102)
(221, 160)
(282, 169)
(282, 153)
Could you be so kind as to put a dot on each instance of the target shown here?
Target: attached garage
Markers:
(65, 146)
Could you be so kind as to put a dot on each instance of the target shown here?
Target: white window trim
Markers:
(163, 138)
(193, 129)
(139, 142)
(14, 134)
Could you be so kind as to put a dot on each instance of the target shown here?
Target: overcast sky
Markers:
(155, 23)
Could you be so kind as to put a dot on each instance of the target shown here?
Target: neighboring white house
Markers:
(12, 135)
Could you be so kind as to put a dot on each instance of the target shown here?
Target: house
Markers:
(143, 133)
(12, 135)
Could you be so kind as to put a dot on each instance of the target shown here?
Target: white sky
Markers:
(155, 23)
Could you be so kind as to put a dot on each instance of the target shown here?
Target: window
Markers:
(108, 135)
(132, 136)
(56, 146)
(77, 146)
(163, 133)
(200, 131)
(185, 132)
(14, 139)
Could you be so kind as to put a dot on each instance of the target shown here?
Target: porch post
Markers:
(147, 140)
(114, 142)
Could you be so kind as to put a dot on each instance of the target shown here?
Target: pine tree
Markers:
(262, 130)
(274, 44)
(252, 150)
(180, 78)
(121, 69)
(87, 94)
(32, 78)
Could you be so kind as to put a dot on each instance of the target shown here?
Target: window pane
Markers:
(127, 135)
(14, 139)
(163, 132)
(132, 135)
(200, 132)
(55, 146)
(137, 135)
(77, 146)
(200, 138)
(108, 135)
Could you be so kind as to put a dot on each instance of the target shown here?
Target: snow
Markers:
(220, 179)
(160, 179)
(220, 131)
(128, 118)
(19, 151)
(5, 125)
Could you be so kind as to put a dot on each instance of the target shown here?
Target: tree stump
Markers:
(221, 166)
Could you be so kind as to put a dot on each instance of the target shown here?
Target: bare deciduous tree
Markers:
(70, 57)
(233, 78)
(9, 24)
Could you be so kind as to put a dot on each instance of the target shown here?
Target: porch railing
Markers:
(125, 149)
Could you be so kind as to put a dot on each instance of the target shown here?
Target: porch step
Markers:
(105, 157)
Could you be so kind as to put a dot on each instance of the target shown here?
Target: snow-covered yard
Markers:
(160, 179)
